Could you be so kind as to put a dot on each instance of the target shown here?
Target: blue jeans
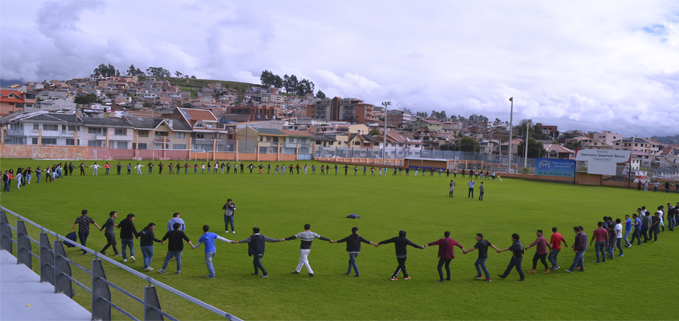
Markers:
(600, 247)
(480, 264)
(636, 235)
(150, 170)
(147, 252)
(514, 262)
(228, 220)
(352, 263)
(618, 241)
(38, 182)
(83, 239)
(611, 250)
(577, 260)
(127, 243)
(208, 261)
(257, 262)
(175, 254)
(673, 220)
(552, 257)
(626, 237)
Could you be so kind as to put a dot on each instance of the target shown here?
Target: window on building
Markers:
(143, 133)
(121, 145)
(50, 127)
(70, 141)
(34, 141)
(141, 146)
(36, 126)
(215, 136)
(179, 146)
(357, 143)
(120, 132)
(97, 131)
(199, 125)
(179, 135)
(161, 134)
(200, 136)
(95, 143)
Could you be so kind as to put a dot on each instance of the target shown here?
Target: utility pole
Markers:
(525, 158)
(509, 151)
(384, 144)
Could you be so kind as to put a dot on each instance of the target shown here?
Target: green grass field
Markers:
(639, 286)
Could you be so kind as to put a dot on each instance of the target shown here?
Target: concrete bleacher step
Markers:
(23, 297)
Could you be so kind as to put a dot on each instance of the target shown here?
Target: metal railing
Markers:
(55, 268)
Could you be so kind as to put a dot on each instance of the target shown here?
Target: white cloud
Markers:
(601, 65)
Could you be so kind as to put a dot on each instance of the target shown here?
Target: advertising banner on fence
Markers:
(602, 155)
(554, 167)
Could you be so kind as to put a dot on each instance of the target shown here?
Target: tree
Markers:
(187, 105)
(267, 78)
(375, 131)
(85, 100)
(147, 105)
(105, 70)
(497, 121)
(178, 74)
(535, 148)
(442, 115)
(574, 144)
(320, 94)
(304, 87)
(159, 72)
(467, 144)
(290, 83)
(193, 77)
(421, 114)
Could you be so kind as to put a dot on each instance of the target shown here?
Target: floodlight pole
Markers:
(509, 151)
(384, 144)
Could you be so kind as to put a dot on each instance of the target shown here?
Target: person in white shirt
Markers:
(618, 235)
(661, 210)
(471, 189)
(138, 167)
(94, 171)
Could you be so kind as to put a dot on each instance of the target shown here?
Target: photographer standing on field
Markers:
(229, 209)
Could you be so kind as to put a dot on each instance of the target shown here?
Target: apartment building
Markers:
(341, 109)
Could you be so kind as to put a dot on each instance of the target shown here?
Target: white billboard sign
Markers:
(603, 155)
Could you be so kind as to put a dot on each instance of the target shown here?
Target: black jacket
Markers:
(401, 242)
(353, 242)
(147, 237)
(127, 229)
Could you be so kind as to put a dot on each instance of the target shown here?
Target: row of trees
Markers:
(108, 70)
(291, 84)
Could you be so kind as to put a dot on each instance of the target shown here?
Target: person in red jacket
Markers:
(446, 254)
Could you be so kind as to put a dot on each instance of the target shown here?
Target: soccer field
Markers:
(640, 285)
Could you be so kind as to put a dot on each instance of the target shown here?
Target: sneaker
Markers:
(233, 231)
(569, 271)
(347, 274)
(132, 258)
(161, 271)
(487, 280)
(621, 255)
(394, 279)
(500, 275)
(208, 276)
(124, 260)
(118, 254)
(478, 277)
(226, 231)
(177, 272)
(149, 269)
(311, 274)
(295, 272)
(84, 253)
(407, 278)
(265, 276)
(556, 268)
(546, 271)
(102, 253)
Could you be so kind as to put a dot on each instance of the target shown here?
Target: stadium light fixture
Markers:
(509, 151)
(384, 144)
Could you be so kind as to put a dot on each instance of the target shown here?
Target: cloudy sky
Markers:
(590, 65)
